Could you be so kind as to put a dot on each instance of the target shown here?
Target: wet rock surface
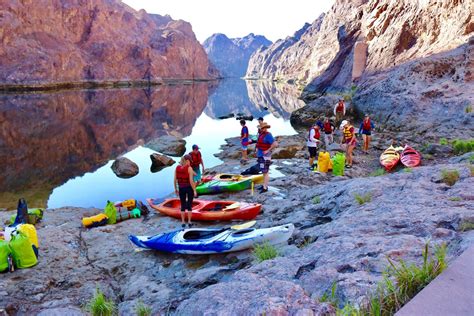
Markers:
(159, 162)
(336, 240)
(124, 168)
(168, 145)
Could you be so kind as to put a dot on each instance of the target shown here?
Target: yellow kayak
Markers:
(389, 158)
(257, 179)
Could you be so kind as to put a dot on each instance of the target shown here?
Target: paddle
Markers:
(243, 226)
(231, 207)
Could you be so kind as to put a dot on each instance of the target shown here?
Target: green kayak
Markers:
(217, 186)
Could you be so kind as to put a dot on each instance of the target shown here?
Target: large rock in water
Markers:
(159, 162)
(169, 145)
(50, 42)
(124, 168)
(231, 55)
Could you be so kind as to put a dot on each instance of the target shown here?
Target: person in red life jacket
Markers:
(185, 188)
(196, 162)
(348, 141)
(365, 129)
(313, 141)
(328, 129)
(265, 144)
(244, 140)
(339, 110)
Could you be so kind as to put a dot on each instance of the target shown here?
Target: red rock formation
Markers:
(54, 41)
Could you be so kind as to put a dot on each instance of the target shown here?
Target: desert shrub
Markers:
(450, 177)
(142, 310)
(378, 172)
(100, 306)
(443, 141)
(316, 200)
(264, 251)
(461, 146)
(362, 199)
(468, 109)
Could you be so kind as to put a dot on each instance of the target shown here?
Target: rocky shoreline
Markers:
(336, 240)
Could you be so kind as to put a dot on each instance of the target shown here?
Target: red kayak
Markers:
(389, 158)
(410, 157)
(210, 210)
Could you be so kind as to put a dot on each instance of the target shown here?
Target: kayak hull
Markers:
(389, 158)
(217, 186)
(410, 157)
(211, 241)
(209, 210)
(257, 178)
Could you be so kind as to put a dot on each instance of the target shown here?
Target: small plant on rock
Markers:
(141, 309)
(443, 141)
(471, 170)
(455, 199)
(316, 200)
(378, 172)
(362, 199)
(468, 109)
(466, 225)
(100, 306)
(264, 251)
(462, 146)
(408, 170)
(450, 177)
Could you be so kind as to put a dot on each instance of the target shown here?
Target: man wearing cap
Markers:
(313, 141)
(265, 144)
(196, 162)
(339, 110)
(259, 126)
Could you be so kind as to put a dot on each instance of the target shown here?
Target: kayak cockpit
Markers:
(201, 234)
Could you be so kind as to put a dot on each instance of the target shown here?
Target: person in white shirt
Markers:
(313, 141)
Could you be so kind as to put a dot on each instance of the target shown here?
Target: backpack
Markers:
(21, 213)
(22, 251)
(95, 221)
(5, 252)
(30, 232)
(111, 213)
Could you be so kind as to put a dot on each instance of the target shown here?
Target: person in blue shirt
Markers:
(365, 129)
(244, 140)
(265, 144)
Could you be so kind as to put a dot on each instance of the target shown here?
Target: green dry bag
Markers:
(4, 253)
(111, 213)
(22, 250)
(338, 162)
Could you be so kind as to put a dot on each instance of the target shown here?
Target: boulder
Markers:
(169, 145)
(124, 168)
(320, 107)
(159, 162)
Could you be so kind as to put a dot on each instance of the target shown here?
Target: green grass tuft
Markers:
(450, 177)
(466, 225)
(455, 199)
(408, 170)
(443, 141)
(141, 309)
(100, 306)
(362, 199)
(462, 146)
(316, 200)
(400, 283)
(471, 170)
(471, 159)
(468, 109)
(264, 251)
(378, 172)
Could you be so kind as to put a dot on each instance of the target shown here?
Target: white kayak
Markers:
(213, 240)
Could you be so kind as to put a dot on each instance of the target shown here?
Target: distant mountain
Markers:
(231, 55)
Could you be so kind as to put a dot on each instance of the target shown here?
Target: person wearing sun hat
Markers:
(196, 162)
(265, 144)
(348, 141)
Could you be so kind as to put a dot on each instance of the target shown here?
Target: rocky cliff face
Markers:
(94, 126)
(231, 55)
(395, 32)
(53, 41)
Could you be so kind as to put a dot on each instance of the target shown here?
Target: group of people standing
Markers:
(348, 140)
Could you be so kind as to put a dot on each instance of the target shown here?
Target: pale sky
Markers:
(275, 19)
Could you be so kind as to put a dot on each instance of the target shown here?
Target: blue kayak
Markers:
(212, 240)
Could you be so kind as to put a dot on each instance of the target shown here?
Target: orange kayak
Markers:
(410, 157)
(209, 210)
(389, 158)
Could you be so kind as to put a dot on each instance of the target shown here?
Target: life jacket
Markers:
(196, 159)
(348, 135)
(340, 107)
(327, 127)
(245, 131)
(317, 134)
(261, 144)
(367, 126)
(182, 175)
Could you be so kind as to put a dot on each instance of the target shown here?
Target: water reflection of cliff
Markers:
(46, 139)
(252, 97)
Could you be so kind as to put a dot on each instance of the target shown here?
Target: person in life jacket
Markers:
(265, 144)
(339, 110)
(185, 188)
(348, 141)
(196, 163)
(244, 140)
(313, 142)
(328, 129)
(365, 129)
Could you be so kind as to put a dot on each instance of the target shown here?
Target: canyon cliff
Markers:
(50, 42)
(231, 55)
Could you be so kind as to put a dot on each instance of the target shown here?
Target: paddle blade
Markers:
(244, 225)
(232, 206)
